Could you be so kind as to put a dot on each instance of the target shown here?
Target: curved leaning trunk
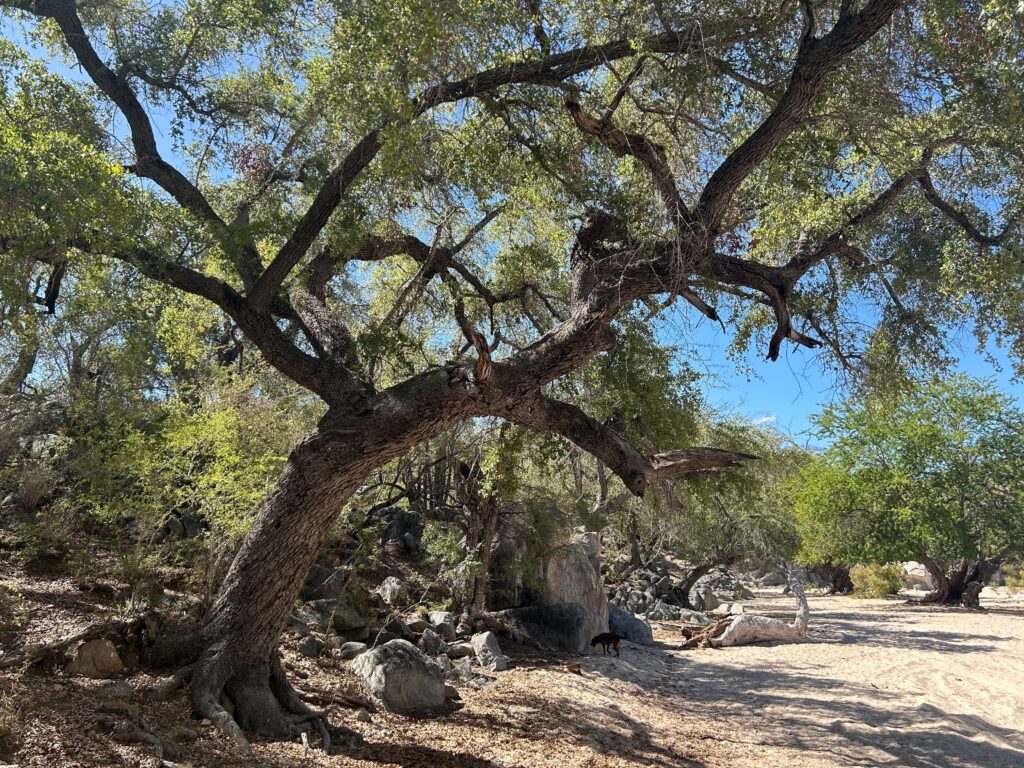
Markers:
(237, 678)
(237, 642)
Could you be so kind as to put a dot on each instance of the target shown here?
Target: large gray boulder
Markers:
(488, 652)
(570, 578)
(629, 626)
(401, 678)
(564, 627)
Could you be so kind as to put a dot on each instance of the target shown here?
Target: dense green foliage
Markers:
(874, 580)
(162, 407)
(935, 473)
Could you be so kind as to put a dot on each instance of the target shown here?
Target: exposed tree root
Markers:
(255, 697)
(51, 652)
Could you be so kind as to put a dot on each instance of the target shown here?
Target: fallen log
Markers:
(746, 629)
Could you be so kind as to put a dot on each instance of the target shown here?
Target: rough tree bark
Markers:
(481, 535)
(839, 578)
(961, 583)
(234, 650)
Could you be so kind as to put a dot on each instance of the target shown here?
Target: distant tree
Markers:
(935, 475)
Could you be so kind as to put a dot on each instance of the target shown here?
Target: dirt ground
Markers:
(877, 683)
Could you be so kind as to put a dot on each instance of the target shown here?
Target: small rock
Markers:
(460, 650)
(393, 591)
(363, 716)
(96, 658)
(432, 644)
(118, 690)
(445, 664)
(352, 649)
(488, 652)
(451, 692)
(462, 670)
(310, 646)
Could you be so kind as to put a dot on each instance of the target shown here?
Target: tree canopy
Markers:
(934, 475)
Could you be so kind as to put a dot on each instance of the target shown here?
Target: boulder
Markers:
(351, 650)
(432, 644)
(916, 576)
(488, 652)
(629, 626)
(401, 678)
(460, 650)
(565, 627)
(393, 591)
(323, 583)
(570, 578)
(96, 658)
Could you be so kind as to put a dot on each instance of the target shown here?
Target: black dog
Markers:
(607, 639)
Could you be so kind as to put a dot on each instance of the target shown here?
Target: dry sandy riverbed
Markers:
(877, 683)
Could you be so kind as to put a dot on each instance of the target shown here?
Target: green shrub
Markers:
(876, 580)
(1014, 578)
(13, 609)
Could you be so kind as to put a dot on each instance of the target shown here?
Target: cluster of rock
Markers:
(406, 660)
(656, 595)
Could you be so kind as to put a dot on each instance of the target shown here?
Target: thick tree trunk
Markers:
(237, 679)
(237, 668)
(690, 580)
(839, 577)
(961, 583)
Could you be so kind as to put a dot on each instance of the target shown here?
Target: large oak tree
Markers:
(489, 189)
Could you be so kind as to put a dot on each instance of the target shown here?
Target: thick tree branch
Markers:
(548, 70)
(635, 469)
(816, 59)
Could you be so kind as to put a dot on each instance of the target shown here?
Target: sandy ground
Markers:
(877, 683)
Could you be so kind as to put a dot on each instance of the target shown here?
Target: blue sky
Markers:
(787, 392)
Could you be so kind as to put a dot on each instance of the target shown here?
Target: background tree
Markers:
(933, 475)
(425, 213)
